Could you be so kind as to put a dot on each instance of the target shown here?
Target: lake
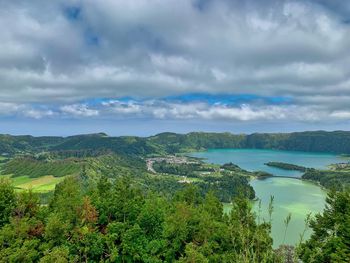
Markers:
(291, 195)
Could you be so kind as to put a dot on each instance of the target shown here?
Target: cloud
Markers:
(7, 108)
(37, 114)
(60, 54)
(78, 110)
(193, 110)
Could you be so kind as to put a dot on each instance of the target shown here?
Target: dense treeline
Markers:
(330, 241)
(116, 166)
(168, 143)
(337, 180)
(14, 144)
(49, 164)
(287, 166)
(129, 145)
(84, 153)
(27, 166)
(227, 186)
(114, 221)
(187, 169)
(231, 167)
(317, 141)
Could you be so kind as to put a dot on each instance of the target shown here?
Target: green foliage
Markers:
(232, 167)
(111, 165)
(7, 200)
(35, 168)
(115, 221)
(336, 180)
(169, 143)
(20, 144)
(121, 145)
(316, 141)
(227, 187)
(287, 166)
(330, 241)
(186, 169)
(57, 255)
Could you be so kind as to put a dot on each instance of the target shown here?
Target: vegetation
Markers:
(41, 185)
(226, 181)
(286, 166)
(10, 145)
(31, 167)
(317, 141)
(227, 186)
(187, 169)
(330, 241)
(115, 221)
(102, 205)
(232, 167)
(331, 179)
(169, 143)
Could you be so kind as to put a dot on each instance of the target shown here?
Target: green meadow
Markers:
(42, 184)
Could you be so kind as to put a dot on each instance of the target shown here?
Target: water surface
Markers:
(255, 159)
(291, 195)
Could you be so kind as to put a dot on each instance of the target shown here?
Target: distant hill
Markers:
(13, 144)
(315, 141)
(123, 145)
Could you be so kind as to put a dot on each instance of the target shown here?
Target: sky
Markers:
(141, 67)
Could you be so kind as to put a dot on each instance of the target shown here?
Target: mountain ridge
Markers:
(168, 142)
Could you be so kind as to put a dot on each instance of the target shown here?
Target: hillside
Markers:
(335, 178)
(13, 144)
(168, 143)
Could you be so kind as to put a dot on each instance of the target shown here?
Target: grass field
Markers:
(42, 184)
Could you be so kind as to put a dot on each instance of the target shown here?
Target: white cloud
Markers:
(341, 115)
(160, 109)
(79, 110)
(37, 114)
(153, 49)
(7, 108)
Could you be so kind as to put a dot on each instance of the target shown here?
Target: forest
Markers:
(169, 143)
(330, 179)
(287, 166)
(101, 204)
(116, 221)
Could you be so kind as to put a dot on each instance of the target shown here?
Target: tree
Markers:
(7, 201)
(330, 241)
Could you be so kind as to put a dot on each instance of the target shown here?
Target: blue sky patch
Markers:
(72, 12)
(233, 99)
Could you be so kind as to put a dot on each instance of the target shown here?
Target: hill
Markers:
(169, 143)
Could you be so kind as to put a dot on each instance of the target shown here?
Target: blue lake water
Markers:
(291, 195)
(255, 159)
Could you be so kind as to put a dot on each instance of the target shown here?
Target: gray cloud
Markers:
(62, 52)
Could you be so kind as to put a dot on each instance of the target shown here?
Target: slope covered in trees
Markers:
(331, 179)
(330, 241)
(25, 170)
(115, 221)
(167, 143)
(14, 144)
(286, 166)
(28, 166)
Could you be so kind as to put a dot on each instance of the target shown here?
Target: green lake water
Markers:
(291, 195)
